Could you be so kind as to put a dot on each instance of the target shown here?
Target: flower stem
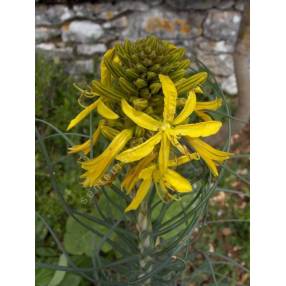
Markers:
(144, 227)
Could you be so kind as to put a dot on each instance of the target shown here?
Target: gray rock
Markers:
(132, 6)
(221, 65)
(153, 3)
(59, 13)
(239, 5)
(161, 22)
(229, 85)
(109, 12)
(222, 25)
(197, 18)
(85, 10)
(82, 31)
(225, 4)
(43, 34)
(53, 15)
(50, 50)
(215, 47)
(121, 22)
(80, 67)
(89, 50)
(41, 19)
(192, 4)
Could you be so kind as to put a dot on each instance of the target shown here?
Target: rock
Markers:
(82, 31)
(59, 13)
(222, 25)
(221, 65)
(53, 15)
(239, 5)
(50, 50)
(132, 6)
(192, 4)
(121, 22)
(89, 50)
(161, 22)
(229, 84)
(43, 34)
(80, 67)
(197, 18)
(214, 47)
(85, 10)
(153, 3)
(41, 19)
(109, 12)
(225, 4)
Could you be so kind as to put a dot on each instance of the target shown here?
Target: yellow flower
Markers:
(96, 167)
(168, 131)
(170, 179)
(169, 139)
(201, 107)
(210, 155)
(86, 146)
(101, 106)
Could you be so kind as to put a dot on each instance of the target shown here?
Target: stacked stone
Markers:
(207, 29)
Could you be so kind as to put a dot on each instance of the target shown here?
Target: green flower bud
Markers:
(140, 68)
(139, 131)
(140, 103)
(155, 87)
(140, 83)
(144, 92)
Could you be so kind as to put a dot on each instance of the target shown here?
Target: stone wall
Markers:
(75, 34)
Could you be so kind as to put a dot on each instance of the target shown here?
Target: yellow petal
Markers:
(85, 147)
(170, 97)
(82, 114)
(210, 163)
(164, 153)
(203, 116)
(138, 152)
(147, 172)
(109, 132)
(140, 195)
(183, 159)
(201, 129)
(140, 118)
(198, 89)
(105, 73)
(212, 153)
(188, 108)
(96, 167)
(209, 154)
(209, 105)
(177, 182)
(105, 111)
(144, 188)
(132, 175)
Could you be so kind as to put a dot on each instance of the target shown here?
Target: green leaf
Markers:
(43, 276)
(71, 280)
(46, 251)
(79, 240)
(59, 275)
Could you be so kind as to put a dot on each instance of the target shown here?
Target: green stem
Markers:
(144, 227)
